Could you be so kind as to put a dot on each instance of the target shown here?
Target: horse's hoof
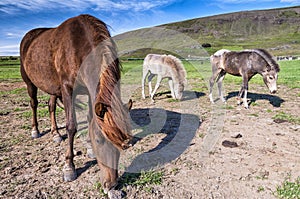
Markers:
(35, 134)
(57, 139)
(115, 194)
(90, 153)
(69, 174)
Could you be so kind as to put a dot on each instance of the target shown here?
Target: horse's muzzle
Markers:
(273, 91)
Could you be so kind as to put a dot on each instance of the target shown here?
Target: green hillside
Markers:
(277, 30)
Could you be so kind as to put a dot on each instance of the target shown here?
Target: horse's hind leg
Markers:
(159, 78)
(150, 77)
(145, 72)
(244, 90)
(32, 91)
(219, 81)
(211, 83)
(54, 130)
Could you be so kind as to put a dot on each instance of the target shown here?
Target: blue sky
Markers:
(18, 17)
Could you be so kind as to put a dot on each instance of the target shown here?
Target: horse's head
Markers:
(178, 90)
(109, 132)
(270, 79)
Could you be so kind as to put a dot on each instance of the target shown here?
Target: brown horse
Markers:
(79, 53)
(246, 63)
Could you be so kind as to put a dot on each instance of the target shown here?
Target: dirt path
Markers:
(239, 154)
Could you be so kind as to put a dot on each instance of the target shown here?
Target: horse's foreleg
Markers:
(32, 91)
(150, 77)
(143, 83)
(89, 148)
(172, 88)
(69, 168)
(245, 80)
(240, 95)
(159, 78)
(52, 108)
(245, 99)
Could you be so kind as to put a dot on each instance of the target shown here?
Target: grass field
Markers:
(132, 71)
(198, 73)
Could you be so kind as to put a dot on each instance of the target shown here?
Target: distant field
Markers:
(132, 71)
(288, 75)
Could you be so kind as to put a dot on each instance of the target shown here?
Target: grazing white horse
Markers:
(164, 66)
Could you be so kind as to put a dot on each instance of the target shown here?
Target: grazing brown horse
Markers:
(245, 63)
(80, 53)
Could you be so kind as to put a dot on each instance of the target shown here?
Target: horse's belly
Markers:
(45, 79)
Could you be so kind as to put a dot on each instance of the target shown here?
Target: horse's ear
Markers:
(100, 109)
(129, 105)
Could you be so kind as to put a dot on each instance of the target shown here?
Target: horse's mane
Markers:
(116, 127)
(177, 66)
(267, 57)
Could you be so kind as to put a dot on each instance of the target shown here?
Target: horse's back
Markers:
(52, 56)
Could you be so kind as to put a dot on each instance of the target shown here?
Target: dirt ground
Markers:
(203, 150)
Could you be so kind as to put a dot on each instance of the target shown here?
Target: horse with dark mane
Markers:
(79, 53)
(245, 63)
(164, 66)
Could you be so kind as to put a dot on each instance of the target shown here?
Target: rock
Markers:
(295, 127)
(237, 135)
(229, 144)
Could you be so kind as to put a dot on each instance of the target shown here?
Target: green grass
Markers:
(41, 112)
(198, 70)
(289, 190)
(289, 73)
(17, 91)
(145, 179)
(10, 70)
(287, 117)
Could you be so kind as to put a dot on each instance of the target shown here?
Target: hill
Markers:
(277, 30)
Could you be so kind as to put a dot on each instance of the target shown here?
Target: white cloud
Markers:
(291, 1)
(9, 50)
(12, 6)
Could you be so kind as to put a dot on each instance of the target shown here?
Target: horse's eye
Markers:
(271, 78)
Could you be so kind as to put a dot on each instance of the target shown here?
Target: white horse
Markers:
(164, 66)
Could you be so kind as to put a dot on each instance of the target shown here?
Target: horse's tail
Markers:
(217, 59)
(179, 68)
(146, 62)
(267, 57)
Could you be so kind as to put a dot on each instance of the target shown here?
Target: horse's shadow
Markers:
(187, 95)
(179, 128)
(190, 95)
(273, 99)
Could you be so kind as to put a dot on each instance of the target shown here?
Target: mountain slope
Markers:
(277, 30)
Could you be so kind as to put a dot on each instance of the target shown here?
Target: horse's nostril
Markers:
(273, 92)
